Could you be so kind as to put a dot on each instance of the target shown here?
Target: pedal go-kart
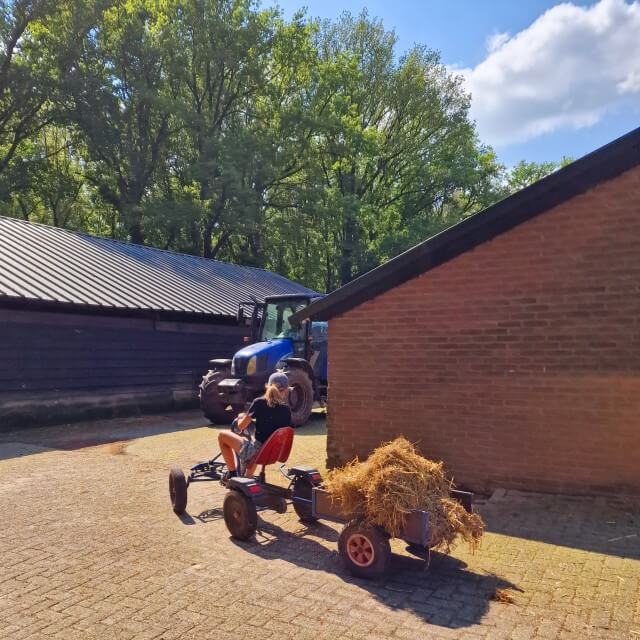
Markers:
(246, 496)
(364, 549)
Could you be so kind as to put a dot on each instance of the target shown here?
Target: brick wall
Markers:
(517, 363)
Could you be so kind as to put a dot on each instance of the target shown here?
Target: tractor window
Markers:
(270, 328)
(276, 320)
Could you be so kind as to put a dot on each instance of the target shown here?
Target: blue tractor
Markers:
(300, 350)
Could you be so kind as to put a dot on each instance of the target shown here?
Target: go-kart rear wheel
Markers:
(302, 488)
(178, 490)
(240, 515)
(364, 549)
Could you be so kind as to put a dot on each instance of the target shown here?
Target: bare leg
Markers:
(229, 443)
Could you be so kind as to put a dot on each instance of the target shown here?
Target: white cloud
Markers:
(495, 41)
(567, 70)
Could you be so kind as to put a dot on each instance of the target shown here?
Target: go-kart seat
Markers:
(276, 449)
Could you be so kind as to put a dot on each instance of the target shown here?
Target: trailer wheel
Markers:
(364, 549)
(300, 396)
(213, 408)
(240, 515)
(302, 488)
(178, 490)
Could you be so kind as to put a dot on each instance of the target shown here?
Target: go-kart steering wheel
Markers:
(247, 433)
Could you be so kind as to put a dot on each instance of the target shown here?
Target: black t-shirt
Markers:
(268, 419)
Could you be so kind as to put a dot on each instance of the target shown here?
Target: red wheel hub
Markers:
(360, 550)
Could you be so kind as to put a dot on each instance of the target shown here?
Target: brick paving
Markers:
(90, 548)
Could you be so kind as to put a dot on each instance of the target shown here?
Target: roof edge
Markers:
(35, 304)
(601, 165)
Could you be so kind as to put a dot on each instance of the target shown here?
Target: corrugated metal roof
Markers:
(38, 262)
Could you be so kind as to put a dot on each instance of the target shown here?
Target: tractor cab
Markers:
(274, 338)
(274, 343)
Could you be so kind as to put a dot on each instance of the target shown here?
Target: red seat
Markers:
(276, 449)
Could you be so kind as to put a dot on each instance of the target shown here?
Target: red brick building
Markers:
(508, 345)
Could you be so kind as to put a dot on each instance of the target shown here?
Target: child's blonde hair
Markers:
(273, 397)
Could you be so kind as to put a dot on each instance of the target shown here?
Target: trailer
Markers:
(364, 548)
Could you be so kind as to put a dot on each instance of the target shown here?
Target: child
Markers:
(270, 412)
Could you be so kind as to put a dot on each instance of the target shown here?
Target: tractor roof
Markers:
(295, 296)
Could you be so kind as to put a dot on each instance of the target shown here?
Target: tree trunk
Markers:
(214, 219)
(349, 239)
(206, 238)
(135, 230)
(346, 259)
(130, 211)
(349, 225)
(24, 210)
(328, 280)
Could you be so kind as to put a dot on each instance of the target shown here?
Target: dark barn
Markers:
(96, 327)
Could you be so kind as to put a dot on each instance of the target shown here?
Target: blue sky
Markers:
(547, 80)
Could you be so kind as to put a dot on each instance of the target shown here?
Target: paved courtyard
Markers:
(90, 548)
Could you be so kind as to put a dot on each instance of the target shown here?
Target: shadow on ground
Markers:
(608, 525)
(70, 437)
(445, 593)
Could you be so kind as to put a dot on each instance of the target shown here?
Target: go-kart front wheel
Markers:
(240, 515)
(178, 490)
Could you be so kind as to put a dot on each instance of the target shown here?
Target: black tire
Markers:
(213, 408)
(302, 488)
(178, 490)
(240, 515)
(365, 550)
(300, 396)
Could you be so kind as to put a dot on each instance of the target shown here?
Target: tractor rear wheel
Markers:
(300, 396)
(240, 515)
(212, 406)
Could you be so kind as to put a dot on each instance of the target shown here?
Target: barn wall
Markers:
(517, 363)
(56, 367)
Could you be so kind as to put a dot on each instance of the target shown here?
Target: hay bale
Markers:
(503, 595)
(393, 481)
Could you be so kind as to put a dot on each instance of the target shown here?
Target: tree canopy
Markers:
(219, 128)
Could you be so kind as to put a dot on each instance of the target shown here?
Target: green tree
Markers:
(525, 173)
(46, 183)
(221, 129)
(397, 150)
(122, 98)
(26, 80)
(240, 72)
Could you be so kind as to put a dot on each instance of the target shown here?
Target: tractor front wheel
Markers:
(212, 406)
(300, 396)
